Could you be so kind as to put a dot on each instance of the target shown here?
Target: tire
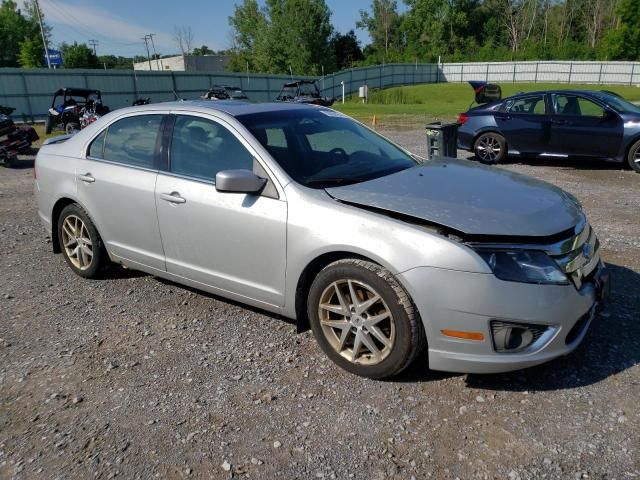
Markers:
(337, 333)
(71, 128)
(81, 228)
(490, 148)
(48, 125)
(633, 157)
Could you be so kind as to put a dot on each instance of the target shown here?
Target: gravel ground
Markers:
(136, 377)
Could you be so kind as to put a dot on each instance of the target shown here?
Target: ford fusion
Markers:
(301, 211)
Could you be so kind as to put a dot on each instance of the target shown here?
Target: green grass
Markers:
(444, 101)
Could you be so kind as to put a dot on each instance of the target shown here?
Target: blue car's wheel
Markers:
(634, 156)
(490, 148)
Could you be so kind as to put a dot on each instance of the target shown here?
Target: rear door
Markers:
(581, 126)
(524, 122)
(116, 184)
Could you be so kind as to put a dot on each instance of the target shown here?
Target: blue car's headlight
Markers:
(528, 266)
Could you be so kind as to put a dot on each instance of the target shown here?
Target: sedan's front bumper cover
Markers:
(463, 301)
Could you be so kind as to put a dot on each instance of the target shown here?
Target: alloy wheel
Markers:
(77, 242)
(356, 322)
(488, 149)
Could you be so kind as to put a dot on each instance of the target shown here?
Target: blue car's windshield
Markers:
(321, 148)
(617, 103)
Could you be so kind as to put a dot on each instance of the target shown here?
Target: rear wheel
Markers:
(363, 319)
(633, 158)
(71, 128)
(48, 125)
(490, 148)
(80, 242)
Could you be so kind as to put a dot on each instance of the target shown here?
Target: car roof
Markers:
(73, 91)
(592, 93)
(234, 108)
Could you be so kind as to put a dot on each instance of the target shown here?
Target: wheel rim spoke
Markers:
(380, 336)
(367, 342)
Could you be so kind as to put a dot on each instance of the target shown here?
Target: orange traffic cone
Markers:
(373, 121)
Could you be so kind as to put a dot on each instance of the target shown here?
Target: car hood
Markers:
(470, 198)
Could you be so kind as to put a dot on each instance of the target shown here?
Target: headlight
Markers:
(527, 266)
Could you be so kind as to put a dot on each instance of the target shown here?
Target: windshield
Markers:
(309, 89)
(321, 148)
(617, 103)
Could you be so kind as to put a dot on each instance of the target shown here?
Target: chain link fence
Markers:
(30, 91)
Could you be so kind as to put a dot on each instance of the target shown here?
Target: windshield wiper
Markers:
(330, 181)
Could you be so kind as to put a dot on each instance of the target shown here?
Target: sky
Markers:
(119, 25)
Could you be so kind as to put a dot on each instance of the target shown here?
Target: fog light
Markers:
(514, 337)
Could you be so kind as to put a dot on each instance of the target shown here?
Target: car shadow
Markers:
(611, 346)
(23, 163)
(571, 162)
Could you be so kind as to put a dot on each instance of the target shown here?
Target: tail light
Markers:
(35, 175)
(462, 118)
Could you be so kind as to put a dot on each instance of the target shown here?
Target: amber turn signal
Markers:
(478, 336)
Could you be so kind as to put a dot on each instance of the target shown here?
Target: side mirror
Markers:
(239, 181)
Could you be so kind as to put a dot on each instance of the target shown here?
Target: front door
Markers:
(525, 124)
(235, 243)
(116, 185)
(580, 126)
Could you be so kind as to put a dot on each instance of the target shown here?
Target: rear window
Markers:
(132, 141)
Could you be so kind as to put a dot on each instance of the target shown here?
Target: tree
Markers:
(284, 36)
(623, 42)
(383, 25)
(346, 49)
(31, 53)
(17, 27)
(203, 50)
(183, 37)
(78, 56)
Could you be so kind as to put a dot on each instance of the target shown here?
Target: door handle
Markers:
(503, 117)
(86, 178)
(173, 197)
(556, 121)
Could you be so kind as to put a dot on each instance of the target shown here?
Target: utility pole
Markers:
(94, 44)
(155, 54)
(44, 39)
(146, 44)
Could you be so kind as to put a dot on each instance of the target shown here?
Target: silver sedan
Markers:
(302, 211)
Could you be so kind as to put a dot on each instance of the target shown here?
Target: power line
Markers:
(85, 31)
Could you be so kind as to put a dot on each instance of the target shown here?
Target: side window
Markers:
(201, 148)
(530, 105)
(97, 146)
(576, 106)
(133, 140)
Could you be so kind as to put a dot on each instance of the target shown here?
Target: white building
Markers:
(186, 63)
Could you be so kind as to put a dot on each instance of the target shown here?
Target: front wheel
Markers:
(363, 319)
(633, 158)
(80, 242)
(490, 148)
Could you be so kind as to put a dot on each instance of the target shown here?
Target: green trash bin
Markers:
(442, 140)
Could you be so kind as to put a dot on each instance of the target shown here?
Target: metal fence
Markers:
(30, 91)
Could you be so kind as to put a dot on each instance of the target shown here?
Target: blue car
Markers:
(554, 123)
